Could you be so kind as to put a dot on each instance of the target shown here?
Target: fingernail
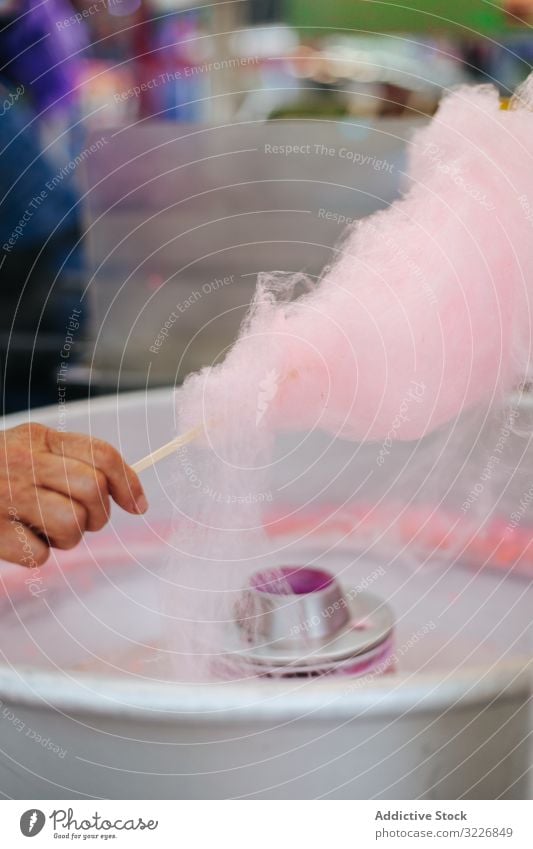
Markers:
(141, 503)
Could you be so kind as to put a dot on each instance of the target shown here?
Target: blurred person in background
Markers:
(54, 486)
(522, 9)
(41, 256)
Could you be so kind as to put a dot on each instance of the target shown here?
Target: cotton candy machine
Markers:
(89, 709)
(299, 622)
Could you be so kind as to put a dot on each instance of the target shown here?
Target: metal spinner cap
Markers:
(300, 618)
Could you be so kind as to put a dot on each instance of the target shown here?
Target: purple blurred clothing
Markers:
(41, 50)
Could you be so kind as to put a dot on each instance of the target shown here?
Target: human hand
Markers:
(54, 486)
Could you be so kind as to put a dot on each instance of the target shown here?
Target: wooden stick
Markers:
(166, 450)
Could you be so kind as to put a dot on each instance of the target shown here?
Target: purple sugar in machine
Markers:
(299, 621)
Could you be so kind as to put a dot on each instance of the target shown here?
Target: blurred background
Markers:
(156, 155)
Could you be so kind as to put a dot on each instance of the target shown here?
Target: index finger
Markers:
(124, 486)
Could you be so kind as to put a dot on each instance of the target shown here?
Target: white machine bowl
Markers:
(86, 711)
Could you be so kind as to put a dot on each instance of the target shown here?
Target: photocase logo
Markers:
(268, 389)
(32, 822)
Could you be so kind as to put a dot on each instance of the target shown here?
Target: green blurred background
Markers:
(470, 16)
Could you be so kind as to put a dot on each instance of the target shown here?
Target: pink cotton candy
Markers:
(431, 296)
(434, 292)
(424, 313)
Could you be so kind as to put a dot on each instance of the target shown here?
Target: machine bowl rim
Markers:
(155, 701)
